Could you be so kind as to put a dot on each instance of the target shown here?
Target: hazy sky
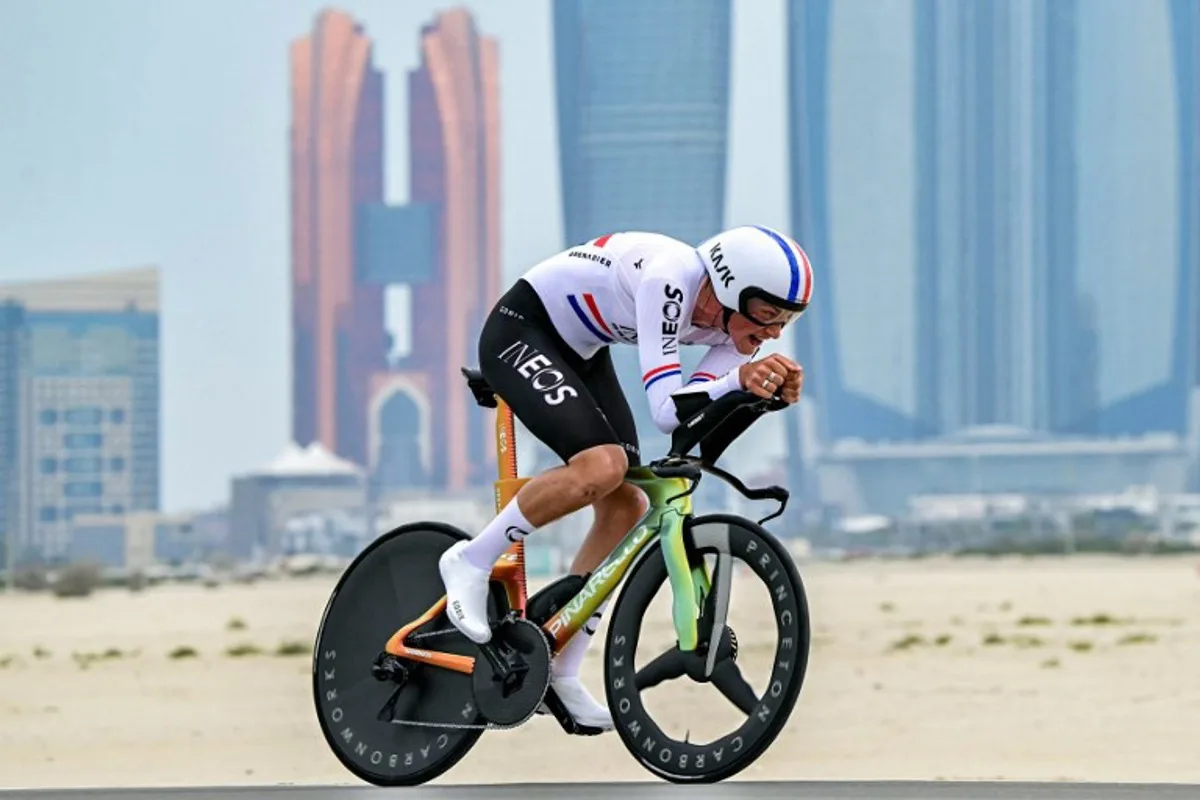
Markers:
(140, 132)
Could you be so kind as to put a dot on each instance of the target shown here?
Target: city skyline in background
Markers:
(186, 167)
(980, 221)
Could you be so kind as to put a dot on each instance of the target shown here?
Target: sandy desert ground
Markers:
(1039, 669)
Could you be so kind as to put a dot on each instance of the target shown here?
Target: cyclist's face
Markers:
(748, 335)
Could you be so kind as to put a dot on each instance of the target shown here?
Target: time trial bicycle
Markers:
(401, 695)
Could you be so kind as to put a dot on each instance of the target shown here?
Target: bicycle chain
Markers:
(487, 726)
(431, 634)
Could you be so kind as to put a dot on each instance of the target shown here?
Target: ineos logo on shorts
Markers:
(539, 370)
(719, 265)
(671, 311)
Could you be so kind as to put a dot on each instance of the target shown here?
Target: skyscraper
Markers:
(1135, 154)
(422, 417)
(87, 400)
(1186, 28)
(1064, 349)
(336, 168)
(13, 357)
(912, 174)
(643, 107)
(964, 161)
(991, 107)
(852, 83)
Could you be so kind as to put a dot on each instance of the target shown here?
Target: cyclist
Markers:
(544, 351)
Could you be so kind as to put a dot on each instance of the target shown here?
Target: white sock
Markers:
(508, 527)
(569, 660)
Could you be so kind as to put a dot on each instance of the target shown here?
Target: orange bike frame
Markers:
(670, 503)
(509, 569)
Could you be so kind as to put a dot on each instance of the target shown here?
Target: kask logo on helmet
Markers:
(719, 266)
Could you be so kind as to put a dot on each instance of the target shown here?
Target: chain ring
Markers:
(487, 726)
(533, 648)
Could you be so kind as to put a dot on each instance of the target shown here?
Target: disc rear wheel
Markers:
(399, 723)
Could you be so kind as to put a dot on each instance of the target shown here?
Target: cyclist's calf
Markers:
(615, 515)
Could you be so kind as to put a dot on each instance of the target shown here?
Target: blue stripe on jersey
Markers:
(661, 375)
(584, 319)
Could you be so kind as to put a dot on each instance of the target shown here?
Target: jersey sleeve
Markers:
(662, 302)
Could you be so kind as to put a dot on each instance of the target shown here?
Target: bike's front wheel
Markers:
(733, 544)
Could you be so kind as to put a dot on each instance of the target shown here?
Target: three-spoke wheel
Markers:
(732, 545)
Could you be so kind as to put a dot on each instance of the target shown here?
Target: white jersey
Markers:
(638, 289)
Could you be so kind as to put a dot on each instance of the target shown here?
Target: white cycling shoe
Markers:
(466, 593)
(466, 606)
(579, 704)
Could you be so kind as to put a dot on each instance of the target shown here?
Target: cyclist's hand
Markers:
(792, 385)
(790, 391)
(767, 376)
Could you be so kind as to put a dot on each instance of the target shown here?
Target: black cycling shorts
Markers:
(567, 402)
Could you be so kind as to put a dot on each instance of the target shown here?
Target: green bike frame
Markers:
(670, 505)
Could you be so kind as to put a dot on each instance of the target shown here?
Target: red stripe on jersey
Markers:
(657, 370)
(591, 304)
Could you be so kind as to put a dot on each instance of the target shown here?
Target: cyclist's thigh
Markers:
(529, 366)
(600, 376)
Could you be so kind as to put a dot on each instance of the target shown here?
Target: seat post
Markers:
(510, 567)
(506, 446)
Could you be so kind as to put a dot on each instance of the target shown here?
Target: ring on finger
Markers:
(767, 384)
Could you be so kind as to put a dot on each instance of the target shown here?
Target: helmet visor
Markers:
(763, 312)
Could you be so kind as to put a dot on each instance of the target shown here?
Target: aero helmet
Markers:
(753, 268)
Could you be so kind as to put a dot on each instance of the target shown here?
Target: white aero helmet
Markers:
(759, 273)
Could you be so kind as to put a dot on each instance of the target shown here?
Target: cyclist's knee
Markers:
(598, 471)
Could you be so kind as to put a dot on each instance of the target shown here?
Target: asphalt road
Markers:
(883, 790)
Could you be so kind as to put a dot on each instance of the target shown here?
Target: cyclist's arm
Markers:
(719, 366)
(661, 302)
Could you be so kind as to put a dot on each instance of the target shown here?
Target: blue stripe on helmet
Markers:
(791, 257)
